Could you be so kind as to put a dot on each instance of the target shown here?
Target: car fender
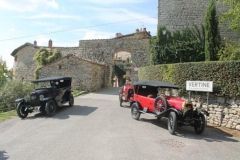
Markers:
(179, 113)
(46, 99)
(139, 105)
(19, 100)
(200, 111)
(24, 102)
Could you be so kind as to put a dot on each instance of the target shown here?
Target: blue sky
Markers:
(72, 20)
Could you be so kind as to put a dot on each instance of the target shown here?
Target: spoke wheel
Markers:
(50, 108)
(199, 126)
(135, 111)
(21, 111)
(71, 101)
(160, 105)
(172, 122)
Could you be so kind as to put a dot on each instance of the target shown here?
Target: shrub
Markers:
(231, 51)
(168, 47)
(11, 91)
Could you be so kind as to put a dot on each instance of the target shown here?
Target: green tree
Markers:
(45, 56)
(186, 45)
(230, 51)
(5, 74)
(156, 43)
(232, 15)
(212, 36)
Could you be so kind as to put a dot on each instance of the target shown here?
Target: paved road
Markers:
(97, 128)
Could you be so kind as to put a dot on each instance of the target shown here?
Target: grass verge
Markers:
(7, 115)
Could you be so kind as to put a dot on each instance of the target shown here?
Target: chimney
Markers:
(137, 30)
(50, 44)
(35, 43)
(144, 29)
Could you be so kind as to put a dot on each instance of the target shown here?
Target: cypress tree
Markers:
(212, 36)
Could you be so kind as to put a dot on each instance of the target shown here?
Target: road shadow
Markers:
(65, 112)
(210, 133)
(3, 155)
(108, 91)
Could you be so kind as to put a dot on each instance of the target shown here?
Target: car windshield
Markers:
(168, 91)
(43, 85)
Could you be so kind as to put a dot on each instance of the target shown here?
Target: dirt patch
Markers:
(224, 130)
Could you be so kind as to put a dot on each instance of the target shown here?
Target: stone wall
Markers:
(223, 111)
(178, 14)
(24, 65)
(96, 51)
(85, 75)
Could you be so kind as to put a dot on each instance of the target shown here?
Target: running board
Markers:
(150, 114)
(153, 114)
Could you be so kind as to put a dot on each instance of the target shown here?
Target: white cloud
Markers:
(55, 16)
(27, 5)
(12, 29)
(116, 1)
(123, 15)
(42, 40)
(42, 24)
(5, 55)
(97, 35)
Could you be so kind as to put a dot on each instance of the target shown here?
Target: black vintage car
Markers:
(49, 93)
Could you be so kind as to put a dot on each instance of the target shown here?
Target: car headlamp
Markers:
(41, 97)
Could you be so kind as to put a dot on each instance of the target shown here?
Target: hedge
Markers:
(225, 75)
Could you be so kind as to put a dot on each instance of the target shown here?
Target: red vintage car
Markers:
(126, 93)
(159, 99)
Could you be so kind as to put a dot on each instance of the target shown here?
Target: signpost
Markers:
(135, 69)
(201, 86)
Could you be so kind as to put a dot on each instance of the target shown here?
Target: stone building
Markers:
(84, 73)
(99, 51)
(178, 14)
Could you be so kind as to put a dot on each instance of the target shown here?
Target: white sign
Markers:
(135, 69)
(203, 86)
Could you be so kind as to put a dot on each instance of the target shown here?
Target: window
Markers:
(15, 58)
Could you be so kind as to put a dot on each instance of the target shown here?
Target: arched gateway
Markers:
(92, 57)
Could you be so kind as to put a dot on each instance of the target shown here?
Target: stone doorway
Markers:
(122, 65)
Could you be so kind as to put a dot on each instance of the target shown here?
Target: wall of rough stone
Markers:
(85, 75)
(178, 14)
(103, 50)
(223, 111)
(24, 65)
(96, 51)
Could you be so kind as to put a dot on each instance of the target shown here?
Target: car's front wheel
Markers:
(50, 108)
(199, 126)
(135, 111)
(172, 122)
(71, 101)
(160, 105)
(21, 111)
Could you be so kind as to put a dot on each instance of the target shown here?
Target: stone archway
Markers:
(103, 51)
(122, 67)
